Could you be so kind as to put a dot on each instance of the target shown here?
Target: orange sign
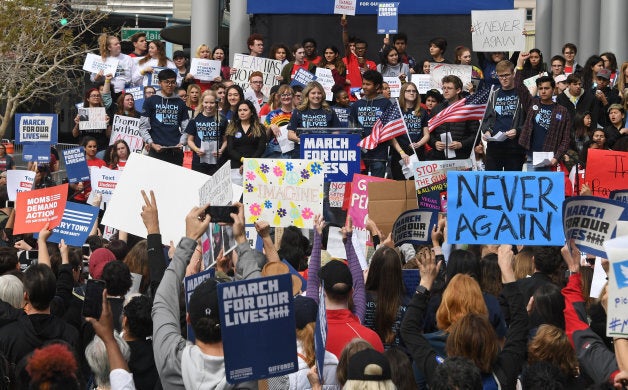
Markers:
(607, 170)
(34, 209)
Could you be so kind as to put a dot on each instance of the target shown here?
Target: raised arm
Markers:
(156, 258)
(359, 293)
(314, 265)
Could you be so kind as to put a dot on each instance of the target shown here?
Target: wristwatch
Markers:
(422, 290)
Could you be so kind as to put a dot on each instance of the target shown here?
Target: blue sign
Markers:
(302, 77)
(343, 115)
(76, 165)
(387, 18)
(138, 97)
(619, 195)
(340, 152)
(591, 221)
(406, 7)
(411, 279)
(320, 333)
(258, 328)
(76, 224)
(414, 227)
(522, 208)
(36, 152)
(36, 128)
(190, 283)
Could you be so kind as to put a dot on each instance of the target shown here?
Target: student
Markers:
(356, 62)
(206, 134)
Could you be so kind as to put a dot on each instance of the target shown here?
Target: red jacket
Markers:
(343, 326)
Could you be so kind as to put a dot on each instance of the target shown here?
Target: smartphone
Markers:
(92, 305)
(10, 204)
(32, 255)
(221, 213)
(86, 250)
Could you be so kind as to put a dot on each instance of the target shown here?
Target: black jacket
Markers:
(463, 132)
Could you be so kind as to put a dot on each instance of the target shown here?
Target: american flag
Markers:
(470, 108)
(389, 125)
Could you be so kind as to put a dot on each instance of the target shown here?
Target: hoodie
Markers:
(585, 102)
(163, 120)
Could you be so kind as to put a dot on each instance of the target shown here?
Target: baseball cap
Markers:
(368, 365)
(336, 272)
(178, 53)
(97, 261)
(166, 74)
(305, 311)
(204, 301)
(561, 78)
(604, 73)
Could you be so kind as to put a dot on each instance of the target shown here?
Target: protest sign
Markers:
(217, 190)
(340, 152)
(302, 77)
(500, 30)
(92, 119)
(190, 283)
(254, 239)
(387, 18)
(123, 210)
(430, 181)
(94, 64)
(151, 79)
(345, 7)
(388, 200)
(358, 205)
(245, 65)
(591, 220)
(138, 97)
(411, 279)
(38, 152)
(283, 192)
(414, 227)
(336, 194)
(19, 180)
(320, 333)
(395, 86)
(36, 128)
(76, 165)
(606, 171)
(104, 181)
(423, 82)
(530, 82)
(258, 315)
(619, 195)
(127, 129)
(76, 224)
(36, 208)
(438, 71)
(617, 316)
(204, 69)
(325, 77)
(522, 208)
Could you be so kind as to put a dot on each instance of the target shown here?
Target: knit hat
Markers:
(335, 272)
(97, 261)
(305, 311)
(204, 301)
(368, 365)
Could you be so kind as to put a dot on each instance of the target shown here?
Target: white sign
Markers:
(245, 65)
(19, 181)
(324, 76)
(92, 118)
(423, 82)
(94, 64)
(617, 318)
(104, 181)
(438, 71)
(218, 190)
(345, 7)
(498, 30)
(128, 129)
(395, 86)
(204, 69)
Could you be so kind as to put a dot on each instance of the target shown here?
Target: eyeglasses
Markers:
(169, 82)
(286, 95)
(94, 96)
(504, 76)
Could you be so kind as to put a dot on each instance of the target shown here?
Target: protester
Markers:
(206, 134)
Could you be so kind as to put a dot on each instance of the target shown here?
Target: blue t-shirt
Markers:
(542, 119)
(505, 108)
(206, 129)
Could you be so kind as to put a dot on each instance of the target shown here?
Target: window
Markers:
(529, 13)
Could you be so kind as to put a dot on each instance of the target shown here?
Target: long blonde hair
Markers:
(305, 104)
(103, 45)
(199, 107)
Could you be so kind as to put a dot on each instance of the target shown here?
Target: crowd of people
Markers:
(481, 316)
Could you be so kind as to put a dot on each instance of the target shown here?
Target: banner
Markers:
(258, 315)
(302, 77)
(522, 208)
(19, 180)
(283, 192)
(345, 7)
(76, 224)
(414, 227)
(94, 64)
(35, 208)
(498, 30)
(76, 165)
(127, 129)
(36, 128)
(104, 181)
(387, 18)
(617, 316)
(190, 283)
(38, 152)
(438, 71)
(606, 171)
(430, 181)
(359, 201)
(590, 221)
(204, 69)
(245, 65)
(325, 77)
(340, 152)
(92, 119)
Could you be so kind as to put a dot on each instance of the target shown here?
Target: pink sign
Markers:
(359, 200)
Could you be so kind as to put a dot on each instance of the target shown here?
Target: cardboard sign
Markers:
(76, 224)
(389, 200)
(345, 7)
(104, 181)
(92, 119)
(204, 69)
(38, 152)
(619, 195)
(190, 283)
(617, 316)
(258, 315)
(283, 192)
(591, 220)
(395, 86)
(358, 205)
(302, 78)
(325, 77)
(387, 16)
(94, 64)
(34, 209)
(606, 171)
(340, 152)
(218, 189)
(32, 128)
(414, 227)
(245, 65)
(76, 165)
(19, 180)
(438, 71)
(430, 181)
(522, 208)
(127, 129)
(498, 30)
